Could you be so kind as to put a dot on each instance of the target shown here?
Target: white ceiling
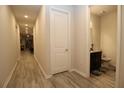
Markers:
(21, 10)
(102, 9)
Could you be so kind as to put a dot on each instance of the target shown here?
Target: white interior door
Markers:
(59, 33)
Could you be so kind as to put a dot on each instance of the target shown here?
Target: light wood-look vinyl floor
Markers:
(28, 75)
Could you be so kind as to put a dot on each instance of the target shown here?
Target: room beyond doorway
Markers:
(103, 39)
(26, 41)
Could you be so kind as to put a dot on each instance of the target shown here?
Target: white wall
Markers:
(8, 43)
(41, 41)
(108, 31)
(18, 41)
(95, 32)
(79, 38)
(82, 40)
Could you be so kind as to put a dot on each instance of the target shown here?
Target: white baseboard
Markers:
(82, 74)
(44, 73)
(9, 76)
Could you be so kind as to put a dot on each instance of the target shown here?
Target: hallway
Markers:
(58, 48)
(28, 75)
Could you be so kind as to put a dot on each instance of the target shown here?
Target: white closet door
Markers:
(59, 33)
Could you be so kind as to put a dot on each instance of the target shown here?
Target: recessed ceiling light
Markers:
(26, 24)
(25, 16)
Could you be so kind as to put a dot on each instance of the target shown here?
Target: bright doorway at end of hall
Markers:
(26, 40)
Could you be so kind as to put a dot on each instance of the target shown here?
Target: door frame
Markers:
(118, 44)
(69, 36)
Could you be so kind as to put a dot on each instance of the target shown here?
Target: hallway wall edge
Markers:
(41, 68)
(10, 75)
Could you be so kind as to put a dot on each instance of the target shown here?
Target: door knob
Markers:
(66, 50)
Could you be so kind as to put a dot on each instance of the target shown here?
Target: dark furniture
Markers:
(95, 61)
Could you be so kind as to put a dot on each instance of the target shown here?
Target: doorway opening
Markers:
(26, 40)
(103, 42)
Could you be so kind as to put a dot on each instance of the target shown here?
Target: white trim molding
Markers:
(119, 32)
(41, 68)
